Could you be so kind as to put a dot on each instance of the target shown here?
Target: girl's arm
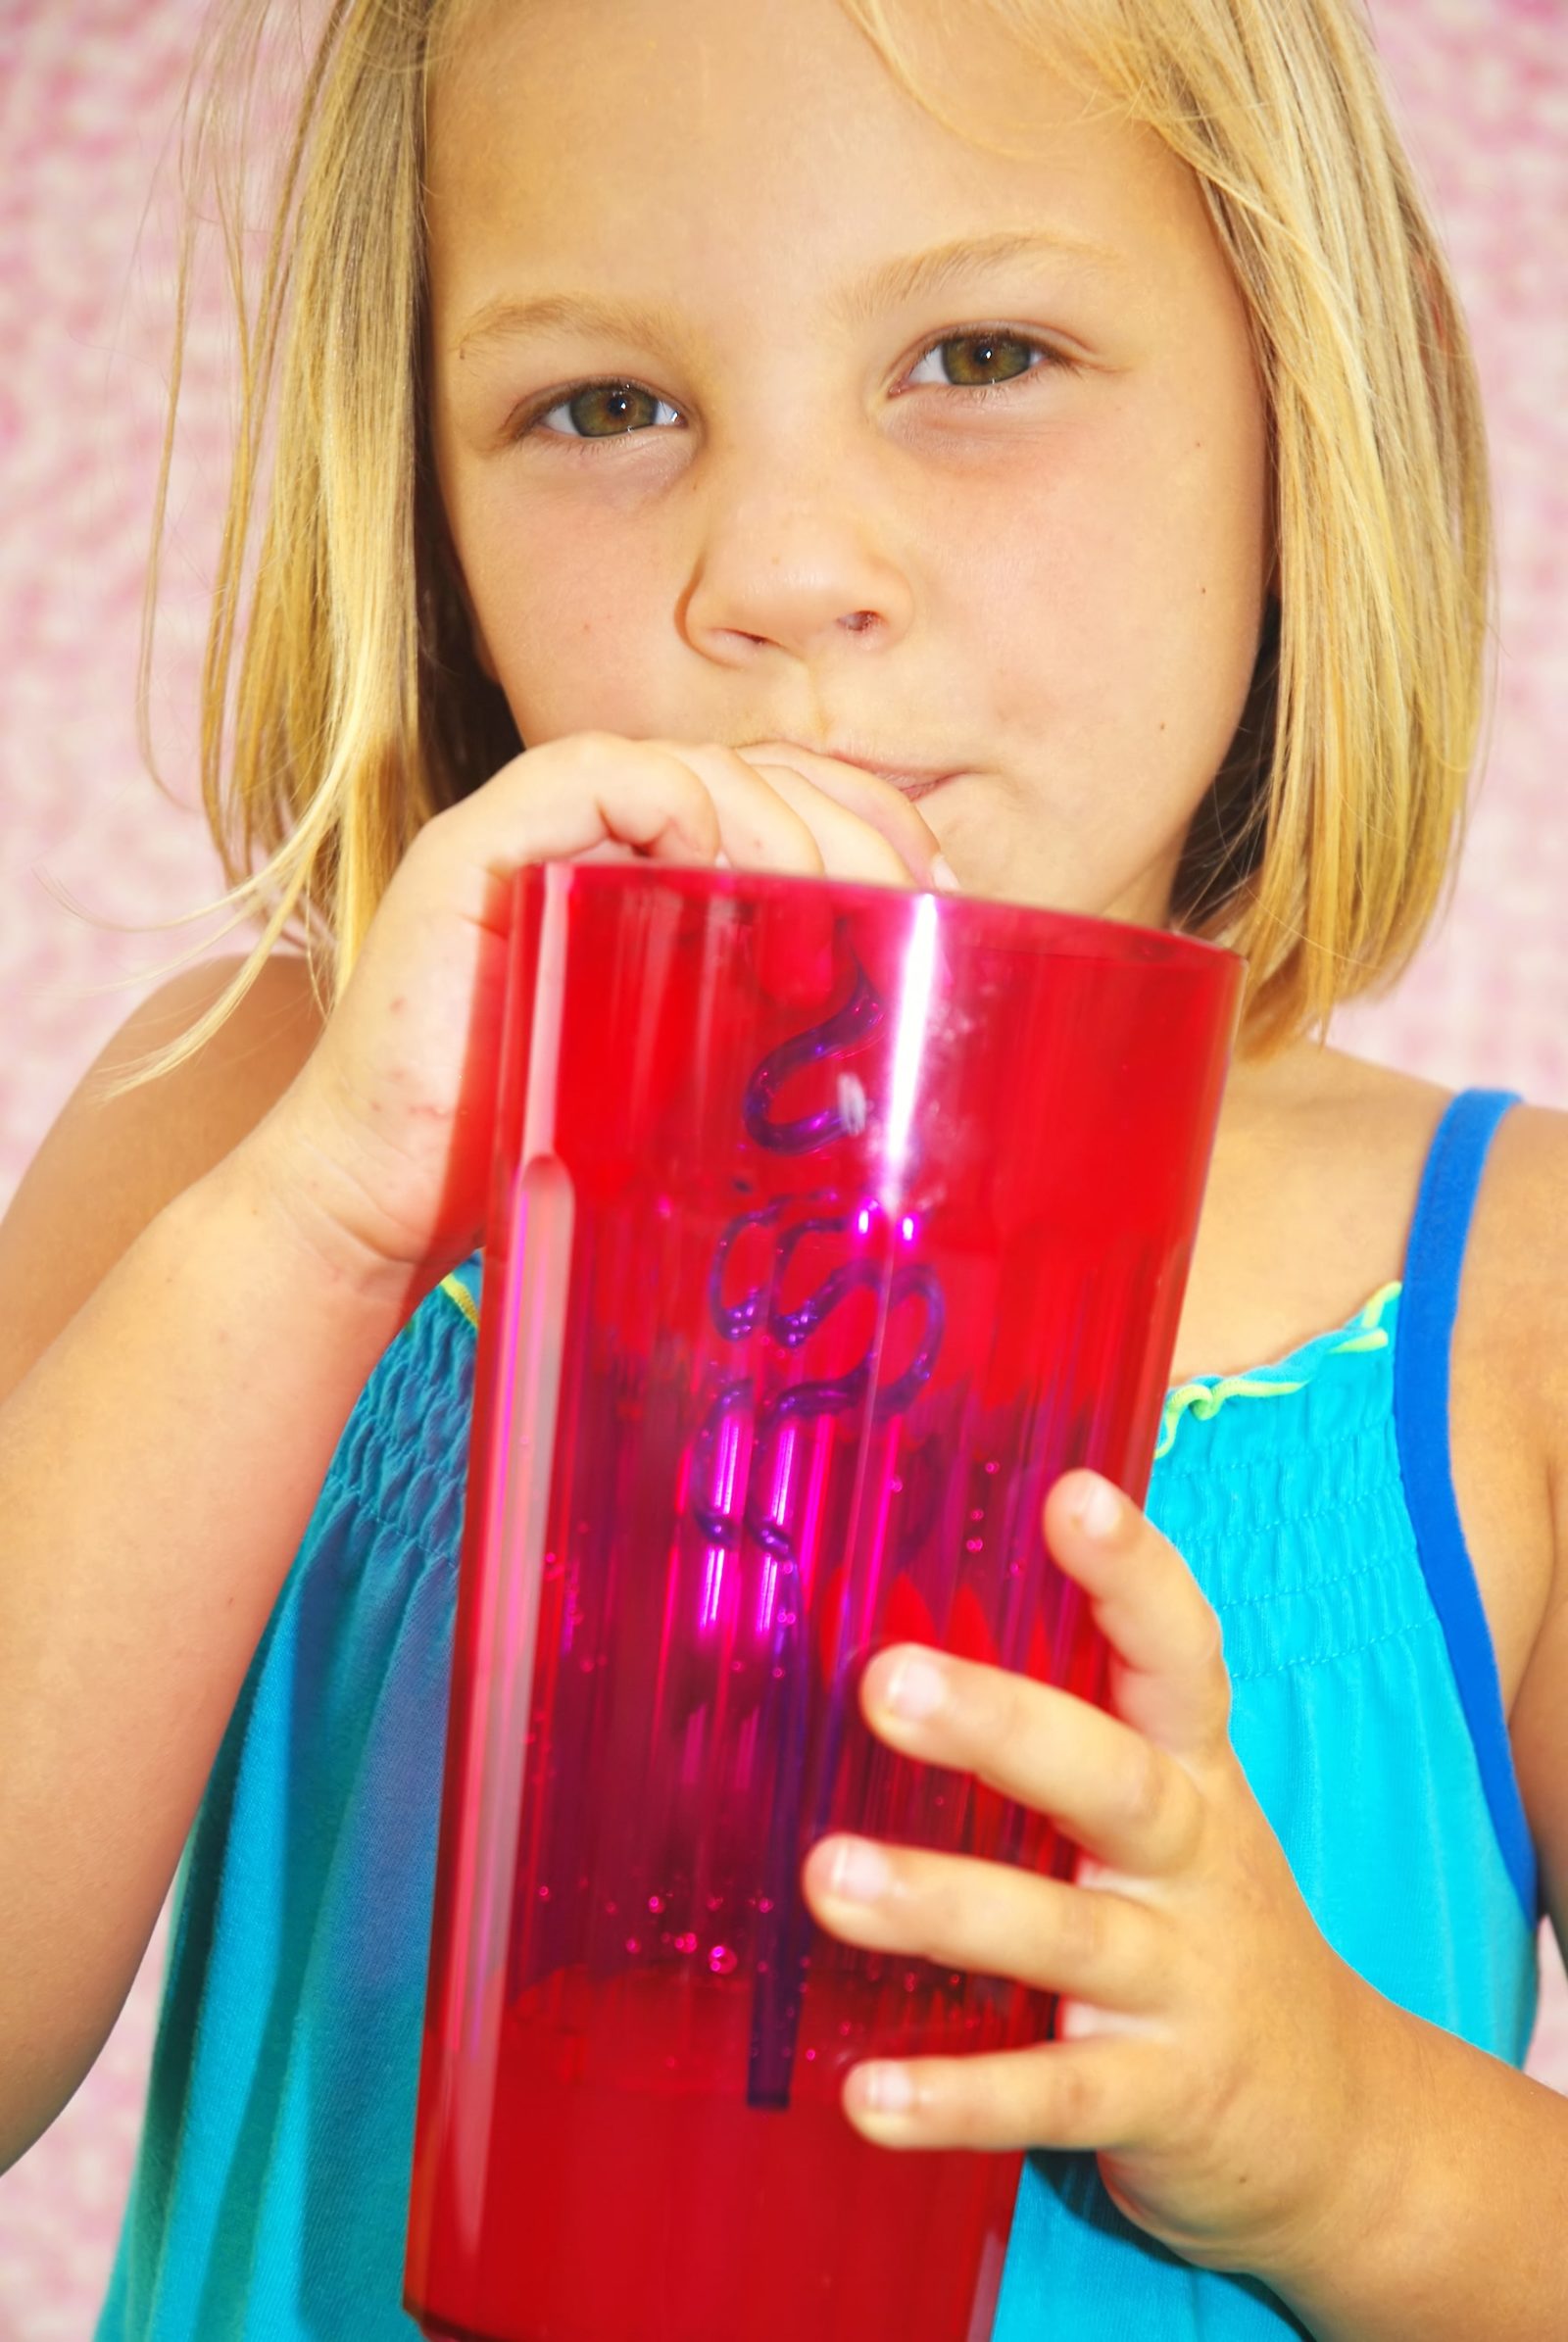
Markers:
(158, 1464)
(1462, 2167)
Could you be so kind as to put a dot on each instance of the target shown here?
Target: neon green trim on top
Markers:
(1206, 1395)
(455, 1288)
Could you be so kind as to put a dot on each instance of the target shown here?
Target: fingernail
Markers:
(1099, 1508)
(861, 1874)
(944, 877)
(888, 2088)
(916, 1688)
(721, 860)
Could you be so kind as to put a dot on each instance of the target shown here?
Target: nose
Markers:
(798, 559)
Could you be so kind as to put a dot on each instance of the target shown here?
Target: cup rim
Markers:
(1063, 933)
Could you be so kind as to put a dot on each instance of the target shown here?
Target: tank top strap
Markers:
(1428, 1306)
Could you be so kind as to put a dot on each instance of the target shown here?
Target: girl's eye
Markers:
(601, 410)
(979, 353)
(619, 409)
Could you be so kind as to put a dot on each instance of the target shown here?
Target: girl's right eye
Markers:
(622, 408)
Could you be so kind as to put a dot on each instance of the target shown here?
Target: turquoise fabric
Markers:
(269, 2195)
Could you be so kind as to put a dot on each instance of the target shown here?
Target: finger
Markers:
(1169, 1679)
(992, 1918)
(850, 848)
(876, 802)
(762, 826)
(1122, 1799)
(773, 818)
(567, 799)
(1069, 2094)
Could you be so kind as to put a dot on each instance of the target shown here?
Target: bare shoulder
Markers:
(1527, 1175)
(1508, 1394)
(1315, 1184)
(1508, 1450)
(1518, 1264)
(106, 1169)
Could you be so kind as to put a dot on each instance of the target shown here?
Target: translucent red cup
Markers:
(830, 1224)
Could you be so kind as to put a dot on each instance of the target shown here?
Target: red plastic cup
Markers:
(830, 1224)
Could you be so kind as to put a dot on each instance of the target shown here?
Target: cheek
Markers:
(570, 623)
(1134, 583)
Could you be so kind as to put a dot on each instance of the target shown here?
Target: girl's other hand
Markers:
(1220, 2059)
(380, 1148)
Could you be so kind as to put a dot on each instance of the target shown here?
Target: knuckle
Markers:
(1077, 2099)
(1145, 1788)
(940, 2107)
(966, 2099)
(1082, 1930)
(1188, 1819)
(980, 2113)
(942, 1914)
(1001, 1714)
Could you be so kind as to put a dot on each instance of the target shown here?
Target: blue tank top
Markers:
(1313, 1501)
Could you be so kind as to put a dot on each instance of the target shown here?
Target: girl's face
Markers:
(764, 408)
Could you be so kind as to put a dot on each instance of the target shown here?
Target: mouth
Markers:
(910, 780)
(915, 787)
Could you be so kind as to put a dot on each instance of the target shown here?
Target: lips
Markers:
(911, 782)
(914, 778)
(916, 788)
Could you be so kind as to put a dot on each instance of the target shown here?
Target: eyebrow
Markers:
(908, 278)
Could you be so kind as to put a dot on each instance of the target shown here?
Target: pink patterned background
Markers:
(89, 91)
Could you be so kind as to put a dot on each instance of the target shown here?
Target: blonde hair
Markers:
(1321, 853)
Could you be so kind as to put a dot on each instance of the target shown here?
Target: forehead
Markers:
(761, 138)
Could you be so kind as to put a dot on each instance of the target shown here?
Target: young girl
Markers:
(1035, 451)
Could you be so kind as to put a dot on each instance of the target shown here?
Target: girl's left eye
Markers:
(981, 351)
(619, 404)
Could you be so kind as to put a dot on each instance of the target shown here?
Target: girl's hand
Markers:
(380, 1149)
(1211, 2049)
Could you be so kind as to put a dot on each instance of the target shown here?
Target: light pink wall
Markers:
(87, 96)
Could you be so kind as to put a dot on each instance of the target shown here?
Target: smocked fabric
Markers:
(270, 2191)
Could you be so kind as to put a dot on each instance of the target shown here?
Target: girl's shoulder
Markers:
(1510, 1394)
(1318, 1169)
(1510, 1369)
(106, 1170)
